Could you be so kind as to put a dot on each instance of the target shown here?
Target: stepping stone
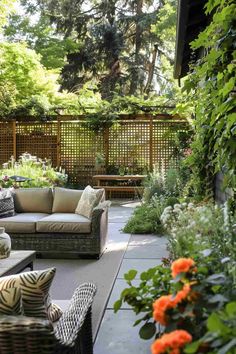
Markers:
(118, 336)
(119, 214)
(146, 252)
(137, 240)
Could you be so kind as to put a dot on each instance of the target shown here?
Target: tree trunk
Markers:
(138, 44)
(151, 71)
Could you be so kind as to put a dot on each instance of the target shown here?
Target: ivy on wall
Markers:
(211, 85)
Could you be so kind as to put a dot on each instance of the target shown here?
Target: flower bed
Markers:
(37, 172)
(188, 303)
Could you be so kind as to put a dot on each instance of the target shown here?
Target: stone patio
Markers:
(116, 334)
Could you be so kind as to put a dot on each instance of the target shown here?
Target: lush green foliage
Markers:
(146, 217)
(40, 173)
(154, 283)
(202, 301)
(195, 228)
(124, 47)
(34, 29)
(6, 8)
(161, 189)
(211, 87)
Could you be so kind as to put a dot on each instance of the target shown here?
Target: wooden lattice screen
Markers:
(7, 141)
(136, 142)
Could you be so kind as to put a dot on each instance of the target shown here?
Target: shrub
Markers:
(199, 301)
(193, 228)
(39, 171)
(146, 217)
(160, 190)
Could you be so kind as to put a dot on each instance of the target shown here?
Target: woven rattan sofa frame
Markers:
(72, 334)
(67, 245)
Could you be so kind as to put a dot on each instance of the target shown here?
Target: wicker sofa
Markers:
(46, 221)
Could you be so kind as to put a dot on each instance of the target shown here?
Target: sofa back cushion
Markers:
(65, 200)
(33, 200)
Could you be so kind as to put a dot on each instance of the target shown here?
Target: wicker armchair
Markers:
(72, 334)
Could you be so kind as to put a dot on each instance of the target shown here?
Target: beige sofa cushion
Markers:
(65, 200)
(64, 223)
(22, 223)
(89, 199)
(33, 200)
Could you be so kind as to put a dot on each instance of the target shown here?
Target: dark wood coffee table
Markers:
(16, 262)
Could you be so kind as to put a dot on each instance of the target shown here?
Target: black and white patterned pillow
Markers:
(11, 302)
(34, 288)
(6, 204)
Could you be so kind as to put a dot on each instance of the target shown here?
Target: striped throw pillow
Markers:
(11, 302)
(34, 287)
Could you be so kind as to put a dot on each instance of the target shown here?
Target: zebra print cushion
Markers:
(34, 287)
(11, 302)
(7, 207)
(54, 312)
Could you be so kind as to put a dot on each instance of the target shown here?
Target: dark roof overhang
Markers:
(191, 20)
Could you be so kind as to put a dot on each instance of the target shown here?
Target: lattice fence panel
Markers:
(129, 146)
(164, 136)
(79, 146)
(39, 139)
(6, 142)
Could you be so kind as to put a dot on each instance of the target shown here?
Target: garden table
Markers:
(16, 262)
(126, 183)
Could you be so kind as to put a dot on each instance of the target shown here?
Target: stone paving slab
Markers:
(146, 252)
(137, 240)
(119, 214)
(120, 285)
(139, 265)
(118, 336)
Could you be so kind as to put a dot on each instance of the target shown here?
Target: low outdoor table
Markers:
(102, 181)
(16, 262)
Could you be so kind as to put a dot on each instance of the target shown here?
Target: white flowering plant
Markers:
(195, 228)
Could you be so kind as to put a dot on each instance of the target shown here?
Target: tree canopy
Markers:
(118, 45)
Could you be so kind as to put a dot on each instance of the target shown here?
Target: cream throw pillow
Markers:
(89, 200)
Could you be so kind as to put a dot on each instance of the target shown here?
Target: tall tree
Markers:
(115, 37)
(6, 8)
(31, 26)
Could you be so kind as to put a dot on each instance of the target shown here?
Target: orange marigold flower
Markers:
(160, 306)
(181, 265)
(172, 342)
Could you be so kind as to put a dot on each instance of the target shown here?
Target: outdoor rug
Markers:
(72, 272)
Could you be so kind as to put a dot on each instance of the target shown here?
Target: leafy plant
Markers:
(211, 87)
(40, 173)
(194, 228)
(154, 283)
(146, 218)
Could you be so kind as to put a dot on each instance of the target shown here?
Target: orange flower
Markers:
(182, 294)
(171, 342)
(181, 265)
(160, 306)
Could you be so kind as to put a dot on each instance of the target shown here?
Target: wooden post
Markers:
(14, 139)
(106, 146)
(58, 142)
(151, 143)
